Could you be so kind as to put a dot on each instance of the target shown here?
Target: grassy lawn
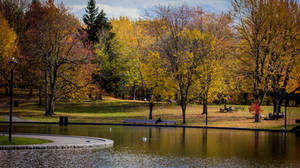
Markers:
(22, 141)
(111, 110)
(2, 118)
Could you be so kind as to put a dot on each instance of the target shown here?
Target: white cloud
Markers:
(136, 8)
(111, 11)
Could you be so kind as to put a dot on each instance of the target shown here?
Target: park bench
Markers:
(226, 109)
(297, 127)
(274, 116)
(149, 122)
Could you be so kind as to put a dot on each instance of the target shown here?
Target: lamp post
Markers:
(12, 63)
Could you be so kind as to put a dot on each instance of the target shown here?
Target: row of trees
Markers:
(179, 53)
(269, 47)
(49, 47)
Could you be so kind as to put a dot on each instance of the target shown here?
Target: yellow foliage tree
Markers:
(269, 32)
(156, 80)
(8, 47)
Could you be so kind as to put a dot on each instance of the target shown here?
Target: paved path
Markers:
(61, 142)
(14, 118)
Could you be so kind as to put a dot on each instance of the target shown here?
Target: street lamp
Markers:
(12, 63)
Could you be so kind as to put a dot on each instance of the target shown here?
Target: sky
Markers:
(135, 9)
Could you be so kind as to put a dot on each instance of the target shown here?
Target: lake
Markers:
(160, 147)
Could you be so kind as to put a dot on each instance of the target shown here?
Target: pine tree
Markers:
(95, 22)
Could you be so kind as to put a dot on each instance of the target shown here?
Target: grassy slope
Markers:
(112, 110)
(22, 141)
(2, 118)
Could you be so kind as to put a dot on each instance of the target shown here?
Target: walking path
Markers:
(61, 142)
(4, 109)
(17, 119)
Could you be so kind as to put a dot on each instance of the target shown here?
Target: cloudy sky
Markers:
(136, 8)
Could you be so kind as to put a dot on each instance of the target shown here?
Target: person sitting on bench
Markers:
(157, 121)
(271, 116)
(225, 108)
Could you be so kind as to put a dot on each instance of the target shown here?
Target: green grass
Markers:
(113, 107)
(112, 110)
(2, 118)
(280, 127)
(22, 141)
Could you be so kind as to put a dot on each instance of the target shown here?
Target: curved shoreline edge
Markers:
(61, 142)
(172, 126)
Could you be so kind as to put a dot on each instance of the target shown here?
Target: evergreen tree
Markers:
(96, 22)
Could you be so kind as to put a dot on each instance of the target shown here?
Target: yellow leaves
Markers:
(7, 40)
(192, 35)
(155, 76)
(8, 45)
(294, 81)
(153, 70)
(184, 62)
(127, 31)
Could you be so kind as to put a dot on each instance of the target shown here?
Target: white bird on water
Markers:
(144, 139)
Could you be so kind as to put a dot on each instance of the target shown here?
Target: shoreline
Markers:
(60, 142)
(168, 126)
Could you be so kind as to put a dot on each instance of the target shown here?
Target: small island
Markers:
(22, 141)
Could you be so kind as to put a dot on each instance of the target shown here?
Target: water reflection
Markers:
(170, 147)
(204, 142)
(256, 143)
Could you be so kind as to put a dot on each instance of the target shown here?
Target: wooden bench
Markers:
(297, 127)
(149, 122)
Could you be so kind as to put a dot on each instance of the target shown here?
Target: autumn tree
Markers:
(14, 12)
(157, 83)
(284, 27)
(212, 77)
(254, 42)
(56, 43)
(8, 45)
(181, 46)
(269, 42)
(129, 34)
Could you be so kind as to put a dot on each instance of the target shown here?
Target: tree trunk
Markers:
(6, 91)
(280, 104)
(183, 101)
(100, 96)
(30, 91)
(183, 108)
(133, 90)
(150, 110)
(51, 101)
(90, 95)
(219, 98)
(52, 78)
(205, 109)
(245, 95)
(183, 105)
(46, 90)
(204, 106)
(277, 102)
(275, 106)
(40, 96)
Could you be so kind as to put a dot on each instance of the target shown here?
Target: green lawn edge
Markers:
(22, 141)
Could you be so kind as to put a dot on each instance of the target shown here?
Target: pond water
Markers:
(160, 147)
